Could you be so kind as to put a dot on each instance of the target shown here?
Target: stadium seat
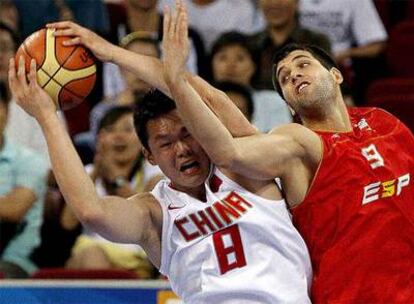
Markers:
(396, 95)
(400, 49)
(84, 274)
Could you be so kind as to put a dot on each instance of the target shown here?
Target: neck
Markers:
(143, 20)
(196, 192)
(280, 33)
(333, 119)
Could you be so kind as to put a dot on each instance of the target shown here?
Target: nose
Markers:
(296, 76)
(182, 148)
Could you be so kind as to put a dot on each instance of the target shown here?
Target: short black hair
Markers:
(4, 93)
(323, 57)
(231, 39)
(244, 91)
(153, 105)
(113, 115)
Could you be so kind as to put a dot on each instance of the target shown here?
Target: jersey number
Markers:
(229, 249)
(372, 156)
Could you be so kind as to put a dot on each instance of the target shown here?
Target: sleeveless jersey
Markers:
(358, 216)
(236, 247)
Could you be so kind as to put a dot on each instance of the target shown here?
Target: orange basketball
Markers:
(67, 73)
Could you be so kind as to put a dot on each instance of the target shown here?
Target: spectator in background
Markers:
(357, 35)
(212, 18)
(140, 16)
(9, 15)
(240, 95)
(128, 91)
(22, 189)
(233, 59)
(282, 28)
(118, 169)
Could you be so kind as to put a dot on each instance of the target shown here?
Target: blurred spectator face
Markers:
(9, 14)
(132, 81)
(142, 4)
(279, 13)
(7, 48)
(121, 139)
(233, 63)
(241, 103)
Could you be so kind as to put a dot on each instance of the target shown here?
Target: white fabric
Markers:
(219, 17)
(270, 110)
(344, 21)
(23, 129)
(277, 268)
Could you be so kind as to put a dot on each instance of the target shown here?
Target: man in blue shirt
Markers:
(22, 190)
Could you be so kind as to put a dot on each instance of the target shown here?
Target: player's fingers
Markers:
(73, 41)
(167, 19)
(13, 84)
(32, 74)
(21, 73)
(60, 25)
(64, 32)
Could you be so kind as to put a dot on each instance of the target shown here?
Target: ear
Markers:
(148, 156)
(337, 75)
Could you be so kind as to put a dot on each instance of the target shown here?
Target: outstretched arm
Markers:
(262, 156)
(107, 216)
(150, 70)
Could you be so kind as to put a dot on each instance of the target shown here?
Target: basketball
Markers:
(66, 73)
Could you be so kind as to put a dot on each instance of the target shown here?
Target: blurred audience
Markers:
(22, 189)
(211, 18)
(118, 169)
(282, 28)
(234, 60)
(357, 35)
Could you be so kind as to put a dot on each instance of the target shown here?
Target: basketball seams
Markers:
(77, 79)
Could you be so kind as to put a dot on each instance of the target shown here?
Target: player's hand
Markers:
(101, 48)
(175, 42)
(27, 92)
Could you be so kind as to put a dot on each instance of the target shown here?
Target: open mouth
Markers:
(189, 168)
(120, 148)
(300, 87)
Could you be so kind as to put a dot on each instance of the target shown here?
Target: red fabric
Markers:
(362, 253)
(63, 273)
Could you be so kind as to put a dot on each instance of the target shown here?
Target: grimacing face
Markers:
(305, 82)
(179, 156)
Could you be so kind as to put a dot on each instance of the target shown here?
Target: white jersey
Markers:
(236, 247)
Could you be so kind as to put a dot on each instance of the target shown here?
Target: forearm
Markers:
(370, 50)
(76, 186)
(147, 68)
(201, 122)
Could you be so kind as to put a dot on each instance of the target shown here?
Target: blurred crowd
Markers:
(232, 44)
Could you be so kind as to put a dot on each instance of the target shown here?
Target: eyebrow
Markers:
(294, 58)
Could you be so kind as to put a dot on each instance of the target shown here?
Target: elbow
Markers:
(90, 217)
(226, 159)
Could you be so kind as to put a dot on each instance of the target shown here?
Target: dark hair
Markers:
(153, 105)
(231, 39)
(324, 58)
(244, 91)
(13, 34)
(4, 94)
(113, 115)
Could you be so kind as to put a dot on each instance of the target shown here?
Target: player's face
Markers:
(179, 156)
(233, 63)
(132, 80)
(6, 52)
(305, 82)
(122, 140)
(279, 12)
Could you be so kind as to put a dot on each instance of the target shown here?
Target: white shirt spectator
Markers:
(344, 21)
(212, 20)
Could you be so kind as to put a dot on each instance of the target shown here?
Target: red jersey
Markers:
(358, 216)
